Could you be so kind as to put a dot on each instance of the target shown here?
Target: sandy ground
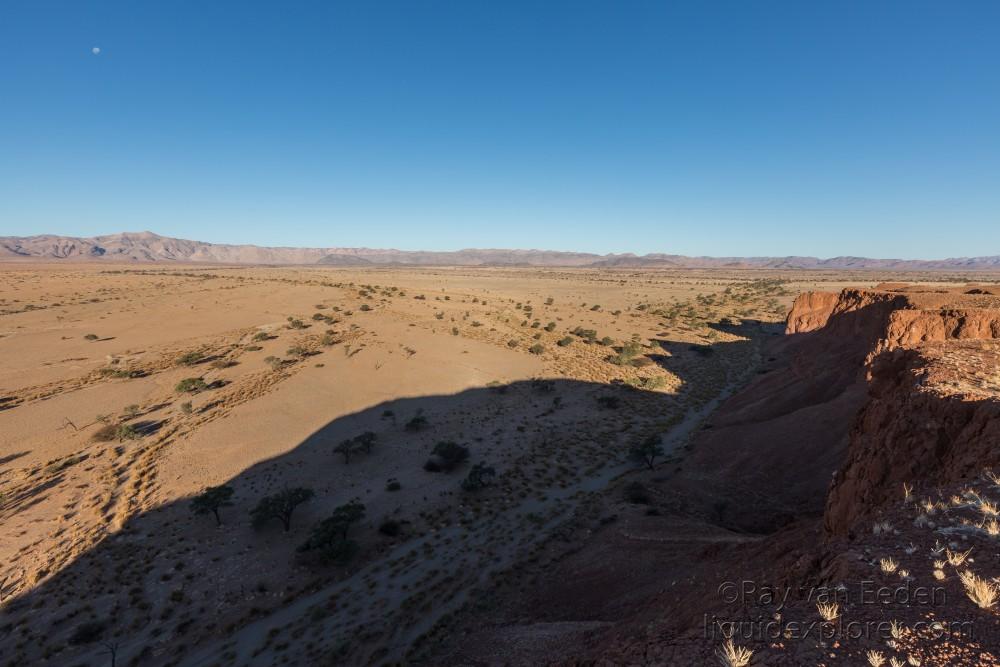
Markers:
(98, 534)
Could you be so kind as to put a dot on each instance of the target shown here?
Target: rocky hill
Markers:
(150, 247)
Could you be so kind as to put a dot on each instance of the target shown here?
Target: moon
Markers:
(96, 50)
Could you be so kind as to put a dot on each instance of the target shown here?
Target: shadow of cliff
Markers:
(167, 580)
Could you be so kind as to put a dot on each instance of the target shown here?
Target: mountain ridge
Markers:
(151, 247)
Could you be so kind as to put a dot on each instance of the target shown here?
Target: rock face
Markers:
(932, 418)
(930, 361)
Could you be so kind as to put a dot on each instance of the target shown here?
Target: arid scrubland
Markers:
(231, 466)
(128, 391)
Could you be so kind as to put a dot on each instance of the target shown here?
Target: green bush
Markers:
(537, 348)
(190, 385)
(190, 359)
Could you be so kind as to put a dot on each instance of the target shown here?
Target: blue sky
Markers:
(716, 128)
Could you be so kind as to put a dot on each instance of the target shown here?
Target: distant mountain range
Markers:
(150, 247)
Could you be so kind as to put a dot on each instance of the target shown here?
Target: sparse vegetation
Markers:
(280, 506)
(211, 500)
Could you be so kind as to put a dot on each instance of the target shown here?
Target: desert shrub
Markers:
(122, 373)
(318, 317)
(211, 500)
(280, 506)
(549, 301)
(294, 323)
(417, 423)
(219, 364)
(328, 339)
(607, 341)
(253, 348)
(390, 527)
(537, 348)
(87, 633)
(629, 351)
(454, 331)
(90, 337)
(190, 358)
(261, 336)
(127, 432)
(364, 308)
(563, 342)
(655, 382)
(512, 343)
(187, 408)
(297, 351)
(131, 411)
(448, 455)
(190, 385)
(550, 327)
(274, 362)
(480, 475)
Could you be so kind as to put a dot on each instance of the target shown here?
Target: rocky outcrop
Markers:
(932, 418)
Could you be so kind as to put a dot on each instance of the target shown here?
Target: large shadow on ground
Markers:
(170, 581)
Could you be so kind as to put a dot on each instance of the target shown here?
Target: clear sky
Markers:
(717, 128)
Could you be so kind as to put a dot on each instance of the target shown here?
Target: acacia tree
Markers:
(211, 500)
(329, 537)
(280, 506)
(346, 448)
(365, 441)
(647, 451)
(447, 456)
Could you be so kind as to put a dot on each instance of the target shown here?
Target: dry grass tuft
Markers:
(731, 655)
(956, 558)
(828, 611)
(888, 565)
(981, 591)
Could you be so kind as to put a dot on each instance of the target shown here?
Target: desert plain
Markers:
(126, 390)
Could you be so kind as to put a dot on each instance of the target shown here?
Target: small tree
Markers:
(647, 451)
(480, 476)
(449, 455)
(329, 536)
(280, 506)
(211, 500)
(346, 448)
(365, 441)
